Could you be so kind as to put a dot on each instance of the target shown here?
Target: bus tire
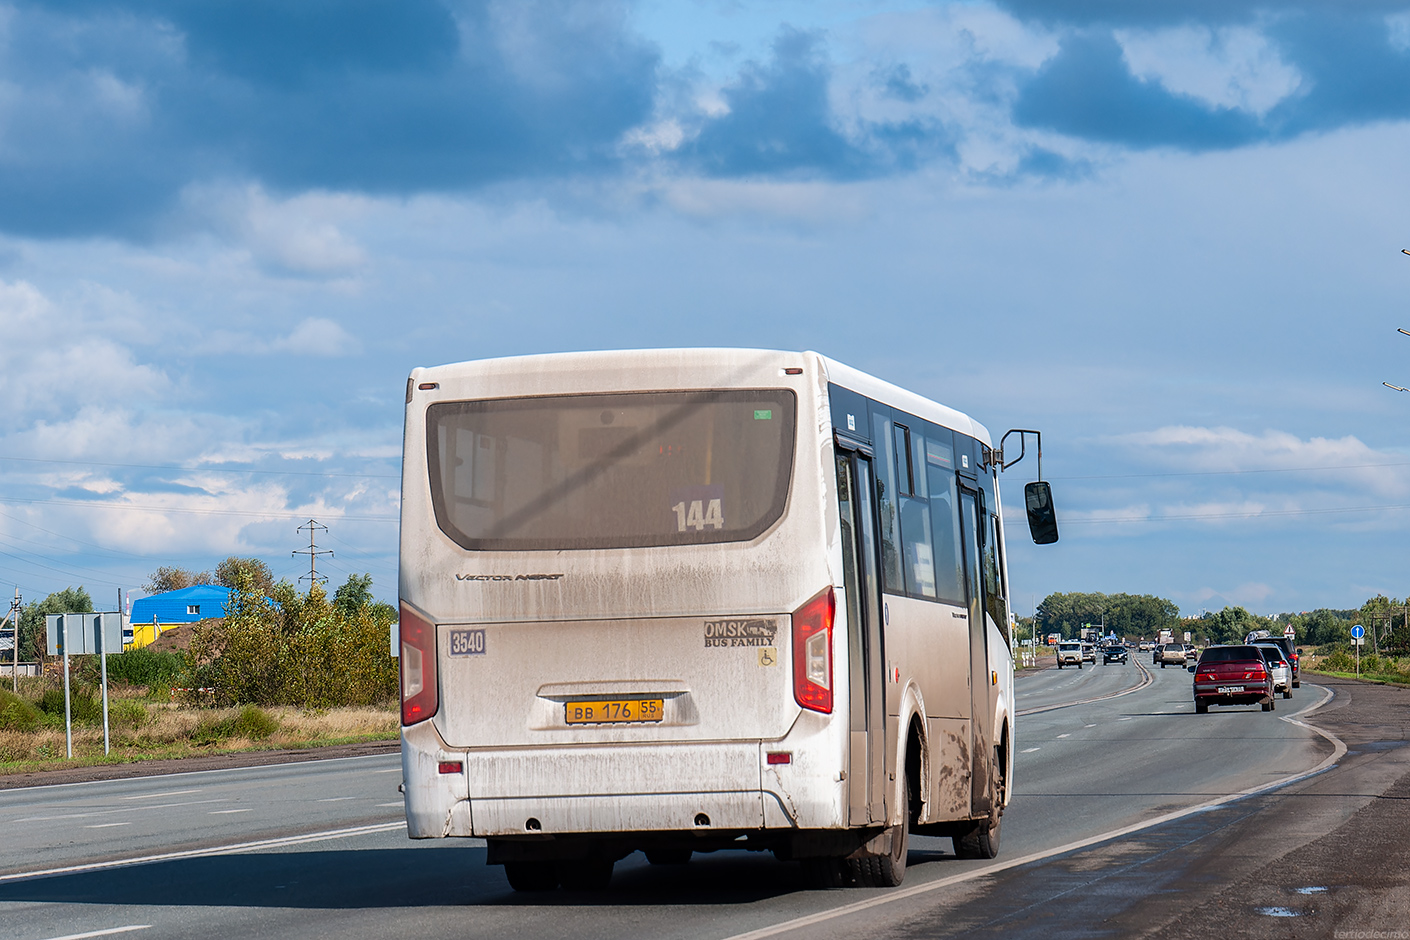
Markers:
(531, 876)
(982, 841)
(590, 874)
(886, 871)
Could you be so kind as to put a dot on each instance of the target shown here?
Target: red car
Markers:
(1232, 675)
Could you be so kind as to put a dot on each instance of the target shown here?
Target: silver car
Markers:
(1278, 667)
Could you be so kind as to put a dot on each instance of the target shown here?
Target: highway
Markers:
(318, 849)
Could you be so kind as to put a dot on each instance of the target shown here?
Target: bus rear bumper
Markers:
(605, 790)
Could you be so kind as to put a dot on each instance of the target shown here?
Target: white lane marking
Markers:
(1147, 677)
(153, 796)
(227, 812)
(125, 809)
(322, 836)
(335, 799)
(103, 933)
(900, 894)
(1089, 726)
(189, 773)
(1068, 735)
(389, 770)
(397, 803)
(1127, 718)
(106, 825)
(1030, 750)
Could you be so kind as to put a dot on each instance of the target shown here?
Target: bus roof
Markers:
(659, 364)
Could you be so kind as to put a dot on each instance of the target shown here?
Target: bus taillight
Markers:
(812, 652)
(418, 667)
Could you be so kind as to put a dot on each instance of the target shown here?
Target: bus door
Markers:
(982, 689)
(867, 750)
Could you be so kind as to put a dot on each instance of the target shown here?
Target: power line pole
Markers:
(313, 551)
(14, 615)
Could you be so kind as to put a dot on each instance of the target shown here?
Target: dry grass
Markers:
(143, 731)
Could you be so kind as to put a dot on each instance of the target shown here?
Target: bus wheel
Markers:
(668, 856)
(886, 871)
(531, 876)
(589, 874)
(982, 841)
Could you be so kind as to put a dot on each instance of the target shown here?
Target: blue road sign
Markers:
(1357, 632)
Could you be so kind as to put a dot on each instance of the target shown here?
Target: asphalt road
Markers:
(314, 850)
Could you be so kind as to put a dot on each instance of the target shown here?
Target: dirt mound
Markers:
(177, 638)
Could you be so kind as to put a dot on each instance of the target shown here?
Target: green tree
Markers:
(34, 638)
(1126, 614)
(1323, 626)
(1231, 625)
(230, 571)
(287, 648)
(169, 578)
(355, 594)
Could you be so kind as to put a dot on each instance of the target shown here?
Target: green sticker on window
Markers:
(764, 415)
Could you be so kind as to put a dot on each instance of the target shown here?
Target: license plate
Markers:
(615, 711)
(1230, 689)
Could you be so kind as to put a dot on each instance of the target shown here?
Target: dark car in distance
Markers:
(1116, 653)
(1285, 643)
(1232, 675)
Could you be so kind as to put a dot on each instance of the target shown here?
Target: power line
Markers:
(112, 551)
(148, 466)
(260, 514)
(1215, 473)
(1249, 514)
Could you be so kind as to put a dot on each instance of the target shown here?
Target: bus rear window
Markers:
(611, 471)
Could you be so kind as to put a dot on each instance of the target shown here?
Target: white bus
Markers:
(680, 601)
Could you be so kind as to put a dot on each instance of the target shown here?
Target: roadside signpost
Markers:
(1358, 637)
(85, 634)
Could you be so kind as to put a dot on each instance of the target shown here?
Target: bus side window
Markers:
(993, 589)
(945, 524)
(916, 553)
(886, 505)
(943, 493)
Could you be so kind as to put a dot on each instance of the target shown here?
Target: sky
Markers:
(1167, 234)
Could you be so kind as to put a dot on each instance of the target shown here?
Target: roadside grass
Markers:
(144, 730)
(1329, 661)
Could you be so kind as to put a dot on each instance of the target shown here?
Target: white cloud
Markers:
(1398, 25)
(1232, 67)
(57, 357)
(1276, 455)
(302, 235)
(313, 336)
(1249, 594)
(317, 336)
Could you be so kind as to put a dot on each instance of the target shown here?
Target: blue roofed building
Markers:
(150, 615)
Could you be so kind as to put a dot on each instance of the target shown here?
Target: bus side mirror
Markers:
(1042, 520)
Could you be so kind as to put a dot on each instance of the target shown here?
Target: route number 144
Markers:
(697, 514)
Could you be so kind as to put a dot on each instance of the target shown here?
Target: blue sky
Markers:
(1167, 234)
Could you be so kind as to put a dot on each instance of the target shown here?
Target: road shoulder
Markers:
(152, 768)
